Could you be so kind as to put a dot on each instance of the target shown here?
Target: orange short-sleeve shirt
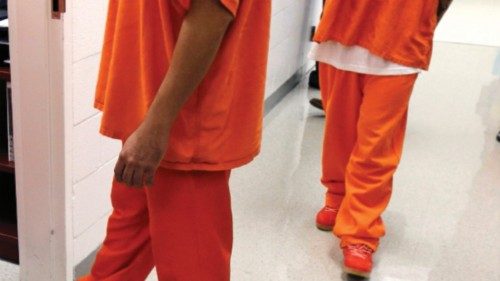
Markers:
(399, 31)
(220, 126)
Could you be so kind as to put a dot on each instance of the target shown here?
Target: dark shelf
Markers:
(8, 219)
(5, 165)
(5, 73)
(8, 242)
(8, 211)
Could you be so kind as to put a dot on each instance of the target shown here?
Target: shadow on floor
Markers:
(350, 277)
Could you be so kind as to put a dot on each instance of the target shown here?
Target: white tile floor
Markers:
(8, 272)
(443, 222)
(472, 22)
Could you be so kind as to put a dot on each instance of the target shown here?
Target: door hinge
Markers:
(58, 8)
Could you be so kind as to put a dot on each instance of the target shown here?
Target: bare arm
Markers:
(202, 32)
(199, 40)
(443, 7)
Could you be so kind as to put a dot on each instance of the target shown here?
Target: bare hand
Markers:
(140, 157)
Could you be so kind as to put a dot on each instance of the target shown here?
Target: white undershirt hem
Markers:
(357, 59)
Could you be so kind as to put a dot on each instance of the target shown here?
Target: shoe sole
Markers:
(324, 227)
(356, 272)
(318, 105)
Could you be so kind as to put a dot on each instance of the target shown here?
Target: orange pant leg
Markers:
(374, 158)
(341, 95)
(126, 251)
(182, 225)
(191, 225)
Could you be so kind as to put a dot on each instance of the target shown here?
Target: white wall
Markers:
(93, 155)
(290, 33)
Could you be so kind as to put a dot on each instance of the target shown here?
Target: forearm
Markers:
(198, 43)
(443, 7)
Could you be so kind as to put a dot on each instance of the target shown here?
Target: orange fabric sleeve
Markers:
(231, 5)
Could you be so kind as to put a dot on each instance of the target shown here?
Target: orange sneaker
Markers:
(358, 260)
(325, 219)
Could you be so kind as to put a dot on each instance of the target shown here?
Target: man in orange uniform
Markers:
(371, 53)
(181, 83)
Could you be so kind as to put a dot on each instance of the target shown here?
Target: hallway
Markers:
(443, 222)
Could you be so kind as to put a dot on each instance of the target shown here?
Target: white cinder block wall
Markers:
(93, 155)
(290, 33)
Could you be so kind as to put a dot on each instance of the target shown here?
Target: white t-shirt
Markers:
(357, 59)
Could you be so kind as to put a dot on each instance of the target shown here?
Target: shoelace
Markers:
(360, 250)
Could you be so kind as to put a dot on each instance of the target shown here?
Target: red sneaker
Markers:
(325, 219)
(358, 260)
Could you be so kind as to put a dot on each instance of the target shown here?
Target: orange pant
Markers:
(364, 132)
(182, 226)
